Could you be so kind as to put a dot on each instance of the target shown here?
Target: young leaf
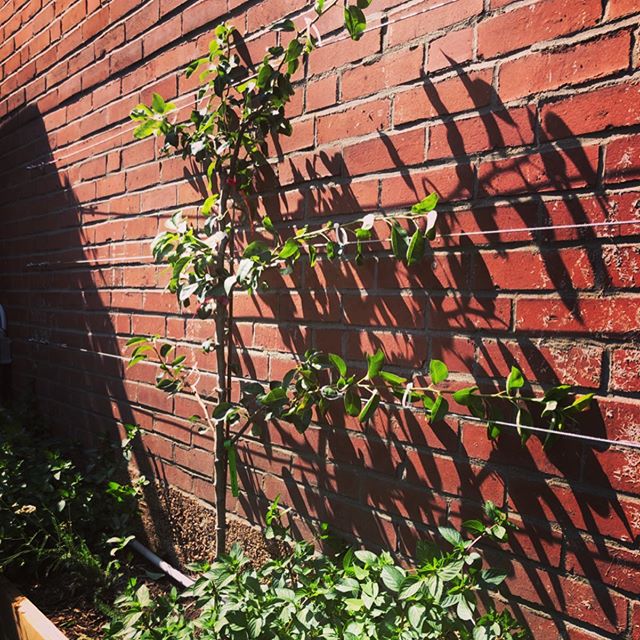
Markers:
(427, 204)
(464, 396)
(338, 363)
(439, 410)
(438, 371)
(375, 363)
(369, 407)
(354, 21)
(352, 402)
(515, 380)
(415, 251)
(451, 535)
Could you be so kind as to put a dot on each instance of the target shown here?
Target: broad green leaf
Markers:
(463, 396)
(438, 371)
(392, 378)
(338, 363)
(290, 249)
(354, 21)
(370, 406)
(158, 104)
(426, 204)
(451, 535)
(415, 250)
(440, 409)
(393, 578)
(515, 380)
(352, 402)
(375, 363)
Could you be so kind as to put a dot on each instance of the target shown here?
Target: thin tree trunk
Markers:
(220, 461)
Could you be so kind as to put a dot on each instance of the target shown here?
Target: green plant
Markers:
(356, 595)
(238, 108)
(55, 517)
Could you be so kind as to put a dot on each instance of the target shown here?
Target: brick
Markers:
(622, 162)
(622, 265)
(468, 313)
(360, 120)
(125, 56)
(353, 197)
(391, 70)
(595, 110)
(532, 269)
(494, 130)
(321, 93)
(439, 17)
(453, 95)
(450, 183)
(538, 22)
(450, 50)
(553, 170)
(370, 310)
(606, 315)
(547, 70)
(625, 370)
(338, 54)
(386, 152)
(620, 8)
(302, 138)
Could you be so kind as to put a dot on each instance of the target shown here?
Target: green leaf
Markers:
(439, 410)
(398, 246)
(158, 103)
(290, 249)
(464, 396)
(285, 25)
(375, 363)
(451, 535)
(354, 21)
(415, 251)
(425, 205)
(338, 363)
(582, 403)
(146, 129)
(369, 407)
(476, 526)
(352, 402)
(464, 609)
(393, 578)
(493, 576)
(264, 75)
(318, 6)
(392, 378)
(515, 380)
(268, 224)
(416, 616)
(438, 371)
(136, 340)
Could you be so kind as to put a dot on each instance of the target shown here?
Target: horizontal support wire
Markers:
(630, 444)
(581, 225)
(383, 22)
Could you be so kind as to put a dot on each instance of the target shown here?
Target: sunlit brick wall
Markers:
(519, 114)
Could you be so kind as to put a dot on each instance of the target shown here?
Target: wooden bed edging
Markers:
(20, 619)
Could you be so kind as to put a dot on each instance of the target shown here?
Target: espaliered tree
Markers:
(232, 248)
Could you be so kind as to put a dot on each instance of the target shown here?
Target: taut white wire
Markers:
(580, 225)
(567, 434)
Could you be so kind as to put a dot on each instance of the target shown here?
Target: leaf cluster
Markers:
(351, 595)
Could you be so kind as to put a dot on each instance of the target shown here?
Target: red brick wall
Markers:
(520, 114)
